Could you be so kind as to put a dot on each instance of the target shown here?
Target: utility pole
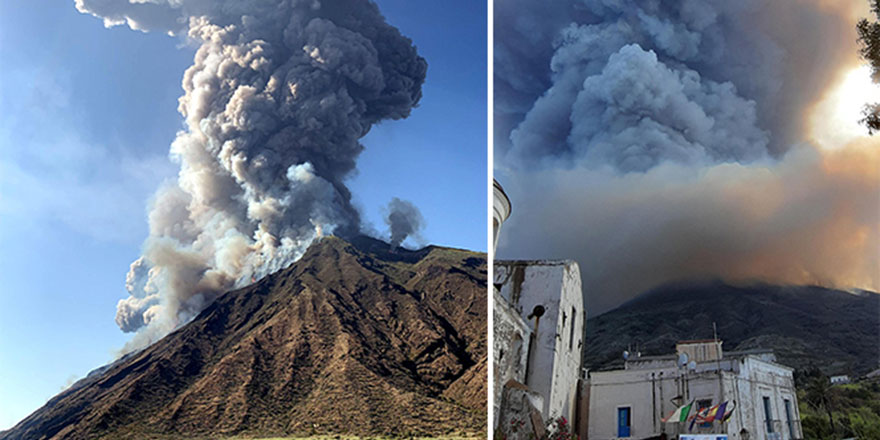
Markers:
(718, 365)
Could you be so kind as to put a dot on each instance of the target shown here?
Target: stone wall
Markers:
(510, 349)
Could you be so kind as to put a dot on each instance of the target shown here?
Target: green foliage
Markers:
(865, 424)
(871, 117)
(854, 409)
(869, 42)
(815, 427)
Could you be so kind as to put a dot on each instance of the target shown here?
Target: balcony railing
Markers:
(781, 430)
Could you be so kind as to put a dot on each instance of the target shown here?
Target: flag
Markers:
(701, 414)
(729, 413)
(680, 414)
(710, 415)
(718, 413)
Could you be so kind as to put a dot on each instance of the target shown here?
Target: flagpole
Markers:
(720, 375)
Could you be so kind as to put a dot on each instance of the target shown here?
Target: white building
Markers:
(632, 402)
(512, 333)
(547, 295)
(538, 326)
(840, 379)
(500, 211)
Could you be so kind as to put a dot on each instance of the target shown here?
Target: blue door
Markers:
(623, 422)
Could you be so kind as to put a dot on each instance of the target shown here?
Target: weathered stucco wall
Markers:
(520, 416)
(775, 382)
(554, 361)
(646, 391)
(510, 349)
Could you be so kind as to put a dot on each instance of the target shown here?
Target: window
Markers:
(571, 334)
(624, 421)
(788, 418)
(701, 405)
(768, 418)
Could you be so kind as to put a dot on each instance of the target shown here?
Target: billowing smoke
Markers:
(666, 140)
(275, 103)
(403, 220)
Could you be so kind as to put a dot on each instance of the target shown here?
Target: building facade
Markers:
(539, 320)
(632, 402)
(511, 333)
(547, 296)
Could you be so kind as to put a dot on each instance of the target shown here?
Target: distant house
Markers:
(632, 402)
(840, 379)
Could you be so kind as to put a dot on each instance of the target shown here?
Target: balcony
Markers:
(780, 430)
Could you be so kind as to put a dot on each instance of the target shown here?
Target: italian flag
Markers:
(680, 414)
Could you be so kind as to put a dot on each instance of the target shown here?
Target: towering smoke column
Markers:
(403, 220)
(275, 103)
(663, 140)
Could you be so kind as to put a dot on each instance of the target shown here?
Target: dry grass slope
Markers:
(354, 339)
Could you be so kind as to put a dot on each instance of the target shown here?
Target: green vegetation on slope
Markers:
(853, 408)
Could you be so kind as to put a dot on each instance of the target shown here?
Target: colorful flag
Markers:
(701, 414)
(729, 413)
(718, 413)
(680, 414)
(710, 415)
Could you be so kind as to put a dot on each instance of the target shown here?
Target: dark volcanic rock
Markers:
(353, 338)
(836, 331)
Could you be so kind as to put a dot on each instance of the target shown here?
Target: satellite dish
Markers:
(625, 355)
(682, 359)
(692, 365)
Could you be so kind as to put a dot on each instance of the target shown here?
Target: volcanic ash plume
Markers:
(275, 103)
(665, 140)
(403, 220)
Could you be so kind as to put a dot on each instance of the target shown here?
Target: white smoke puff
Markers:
(275, 103)
(133, 313)
(136, 279)
(403, 220)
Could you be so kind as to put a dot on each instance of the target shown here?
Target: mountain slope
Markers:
(353, 338)
(837, 331)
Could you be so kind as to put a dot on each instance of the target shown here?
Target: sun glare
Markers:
(835, 119)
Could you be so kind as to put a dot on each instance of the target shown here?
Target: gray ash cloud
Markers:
(279, 94)
(403, 220)
(667, 139)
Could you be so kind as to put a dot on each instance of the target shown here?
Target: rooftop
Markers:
(533, 262)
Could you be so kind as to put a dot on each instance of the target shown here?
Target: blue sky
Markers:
(88, 117)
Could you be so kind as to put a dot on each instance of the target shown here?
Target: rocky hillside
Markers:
(836, 331)
(354, 338)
